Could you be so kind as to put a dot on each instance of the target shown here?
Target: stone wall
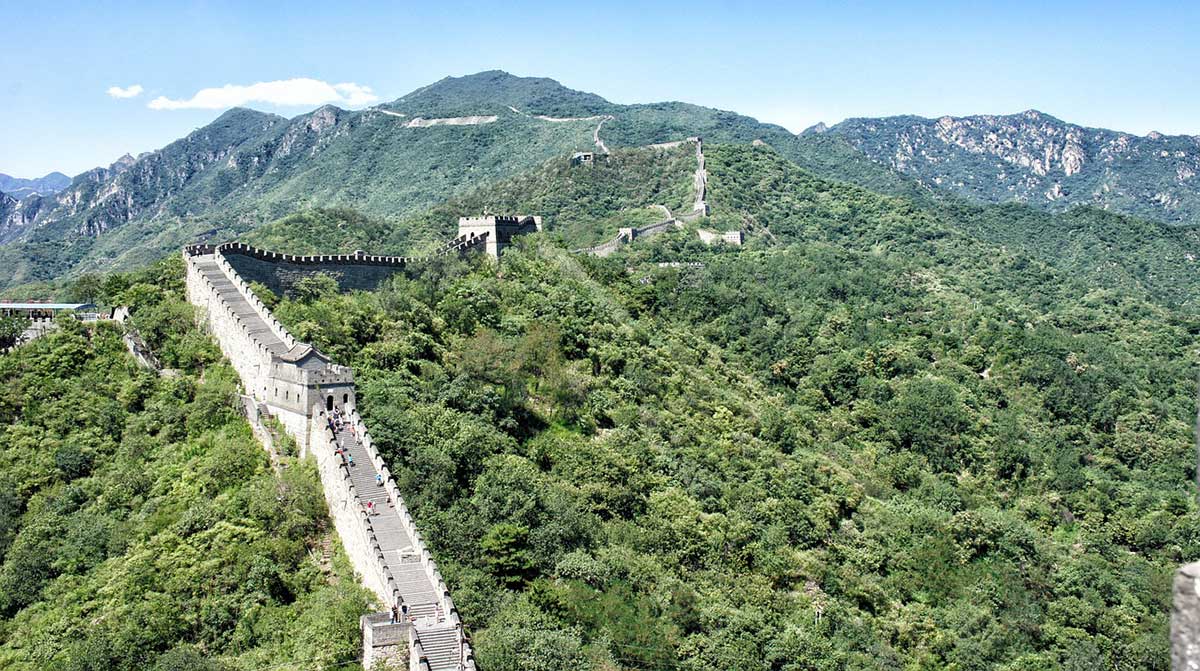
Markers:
(246, 354)
(384, 643)
(497, 231)
(280, 276)
(296, 384)
(348, 516)
(1185, 619)
(626, 235)
(358, 271)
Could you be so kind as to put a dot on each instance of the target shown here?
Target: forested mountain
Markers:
(141, 526)
(19, 188)
(579, 205)
(1035, 158)
(247, 168)
(895, 429)
(880, 435)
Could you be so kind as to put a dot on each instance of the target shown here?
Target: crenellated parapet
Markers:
(497, 231)
(358, 271)
(313, 398)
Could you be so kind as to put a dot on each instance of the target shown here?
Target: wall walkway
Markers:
(371, 518)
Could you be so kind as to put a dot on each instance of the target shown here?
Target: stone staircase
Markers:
(440, 647)
(228, 291)
(438, 635)
(388, 545)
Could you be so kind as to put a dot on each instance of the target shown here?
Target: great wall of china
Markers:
(303, 389)
(699, 209)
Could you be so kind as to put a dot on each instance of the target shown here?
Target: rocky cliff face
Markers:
(1035, 158)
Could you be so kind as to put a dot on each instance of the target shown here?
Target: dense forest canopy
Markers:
(140, 524)
(872, 438)
(888, 432)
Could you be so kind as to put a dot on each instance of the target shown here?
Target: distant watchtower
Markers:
(500, 229)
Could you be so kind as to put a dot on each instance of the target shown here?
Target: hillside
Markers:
(886, 432)
(141, 526)
(1091, 248)
(247, 168)
(870, 438)
(20, 188)
(1035, 158)
(462, 134)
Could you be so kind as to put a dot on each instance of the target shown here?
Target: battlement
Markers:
(302, 387)
(357, 258)
(281, 272)
(498, 230)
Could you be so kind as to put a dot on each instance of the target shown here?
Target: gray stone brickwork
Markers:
(385, 643)
(301, 387)
(1185, 619)
(497, 230)
(358, 271)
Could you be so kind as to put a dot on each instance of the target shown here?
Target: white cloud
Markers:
(300, 91)
(127, 92)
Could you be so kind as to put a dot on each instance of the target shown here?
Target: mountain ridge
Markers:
(21, 188)
(1037, 158)
(249, 167)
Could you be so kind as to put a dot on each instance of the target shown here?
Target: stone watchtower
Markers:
(499, 229)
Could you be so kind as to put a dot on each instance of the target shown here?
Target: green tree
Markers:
(12, 327)
(506, 552)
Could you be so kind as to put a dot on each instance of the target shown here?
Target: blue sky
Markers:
(1134, 68)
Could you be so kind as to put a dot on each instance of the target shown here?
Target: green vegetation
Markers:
(493, 91)
(140, 525)
(11, 329)
(329, 231)
(271, 167)
(580, 205)
(248, 168)
(891, 431)
(868, 439)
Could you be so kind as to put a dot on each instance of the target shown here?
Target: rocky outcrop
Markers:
(1033, 157)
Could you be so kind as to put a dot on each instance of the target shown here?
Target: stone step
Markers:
(416, 588)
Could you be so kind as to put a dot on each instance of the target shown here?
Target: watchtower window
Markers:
(345, 399)
(329, 402)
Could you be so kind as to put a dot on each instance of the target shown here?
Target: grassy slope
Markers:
(367, 159)
(580, 206)
(249, 168)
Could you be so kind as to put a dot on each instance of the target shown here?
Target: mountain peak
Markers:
(18, 188)
(494, 91)
(122, 164)
(245, 114)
